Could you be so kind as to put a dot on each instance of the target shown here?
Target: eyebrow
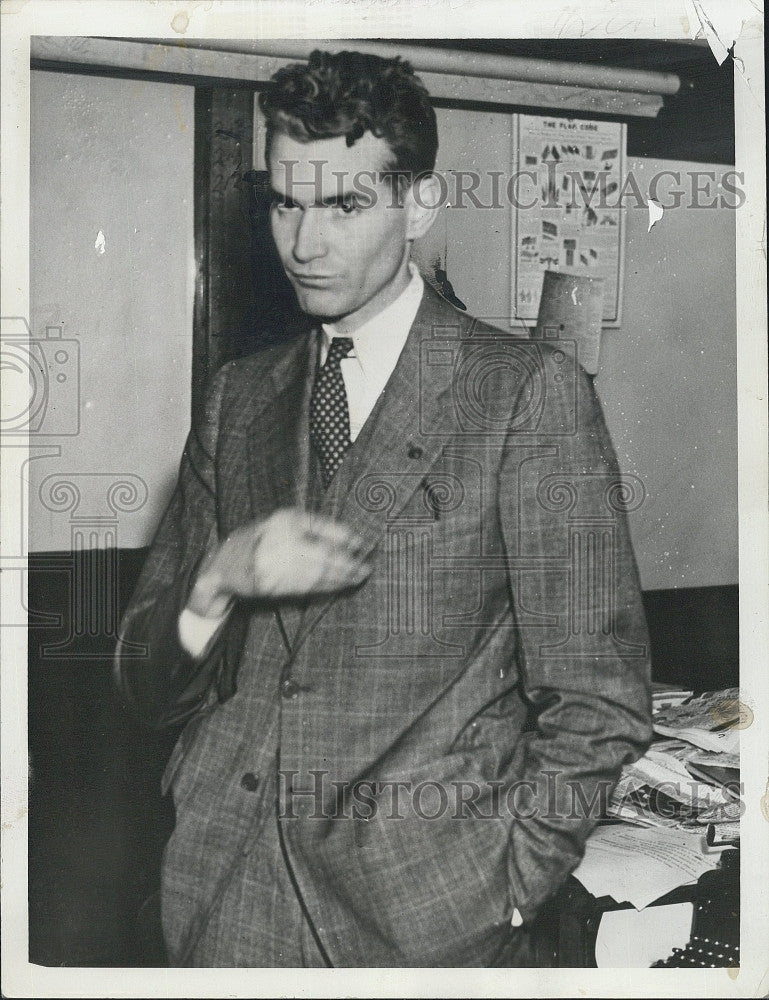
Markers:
(331, 202)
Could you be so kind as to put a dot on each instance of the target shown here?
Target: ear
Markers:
(424, 199)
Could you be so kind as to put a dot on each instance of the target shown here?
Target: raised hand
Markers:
(291, 554)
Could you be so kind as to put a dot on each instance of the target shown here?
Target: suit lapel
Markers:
(279, 445)
(409, 426)
(278, 437)
(403, 437)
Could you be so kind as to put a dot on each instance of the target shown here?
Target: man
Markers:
(405, 691)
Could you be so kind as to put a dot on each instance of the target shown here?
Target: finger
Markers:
(350, 547)
(336, 533)
(319, 573)
(309, 551)
(344, 573)
(309, 570)
(314, 526)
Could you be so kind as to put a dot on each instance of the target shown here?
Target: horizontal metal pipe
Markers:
(195, 63)
(460, 63)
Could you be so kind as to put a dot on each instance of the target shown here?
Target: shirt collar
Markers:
(379, 342)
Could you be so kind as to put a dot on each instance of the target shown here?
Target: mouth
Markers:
(312, 280)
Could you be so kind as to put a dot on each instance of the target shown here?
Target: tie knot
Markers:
(340, 347)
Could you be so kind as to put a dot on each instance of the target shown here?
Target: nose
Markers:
(309, 242)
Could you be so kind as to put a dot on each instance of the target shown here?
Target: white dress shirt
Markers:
(377, 345)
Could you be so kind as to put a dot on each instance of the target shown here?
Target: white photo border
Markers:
(406, 19)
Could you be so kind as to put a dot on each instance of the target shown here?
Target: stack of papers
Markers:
(692, 778)
(665, 789)
(667, 695)
(680, 797)
(709, 721)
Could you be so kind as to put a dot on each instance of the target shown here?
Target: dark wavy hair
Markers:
(349, 94)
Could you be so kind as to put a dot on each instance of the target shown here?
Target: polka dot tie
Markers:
(329, 416)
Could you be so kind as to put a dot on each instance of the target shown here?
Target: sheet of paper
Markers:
(718, 759)
(639, 865)
(722, 741)
(634, 939)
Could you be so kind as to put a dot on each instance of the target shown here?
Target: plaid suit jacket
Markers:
(444, 732)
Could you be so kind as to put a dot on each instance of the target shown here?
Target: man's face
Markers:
(342, 235)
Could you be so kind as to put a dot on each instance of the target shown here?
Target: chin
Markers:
(324, 305)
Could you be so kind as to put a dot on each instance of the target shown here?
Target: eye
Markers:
(282, 203)
(348, 206)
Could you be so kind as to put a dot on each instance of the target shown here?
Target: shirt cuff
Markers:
(196, 632)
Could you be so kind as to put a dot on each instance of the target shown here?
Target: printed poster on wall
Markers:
(567, 214)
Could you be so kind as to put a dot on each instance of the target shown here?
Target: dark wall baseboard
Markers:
(694, 631)
(97, 823)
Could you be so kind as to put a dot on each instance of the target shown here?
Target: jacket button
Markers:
(414, 451)
(289, 688)
(249, 781)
